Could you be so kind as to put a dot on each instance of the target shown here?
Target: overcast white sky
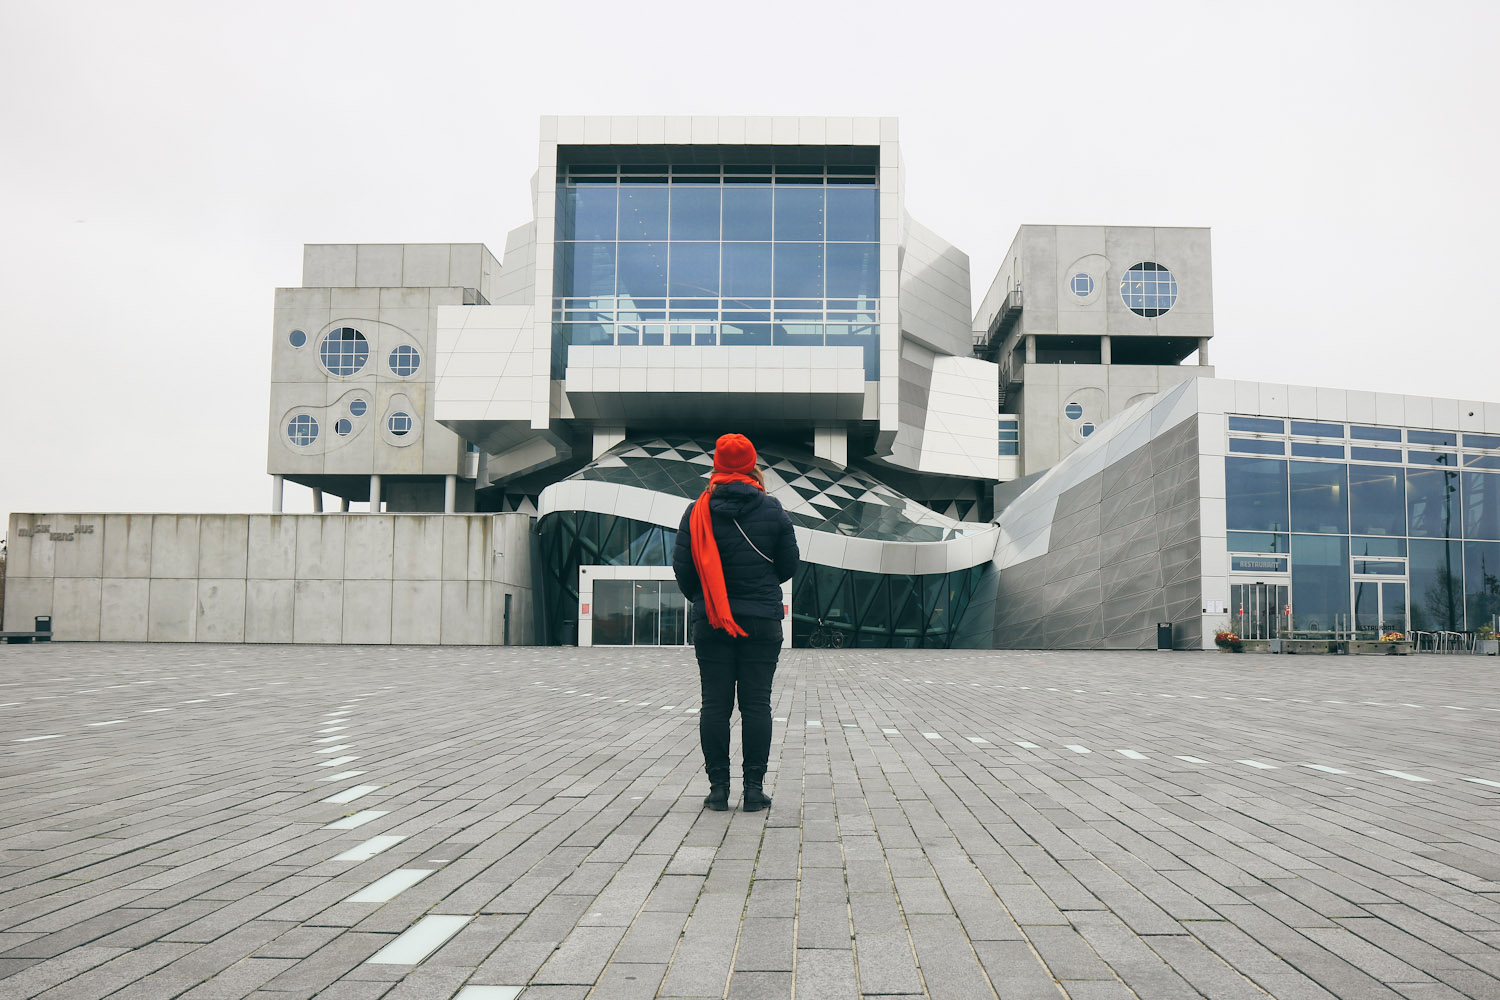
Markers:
(162, 164)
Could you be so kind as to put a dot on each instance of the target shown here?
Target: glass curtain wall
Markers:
(699, 255)
(872, 609)
(1425, 513)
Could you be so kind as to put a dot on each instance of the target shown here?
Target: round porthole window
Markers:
(1073, 411)
(1086, 429)
(344, 351)
(343, 426)
(358, 407)
(1148, 289)
(399, 423)
(1082, 285)
(405, 361)
(297, 337)
(302, 429)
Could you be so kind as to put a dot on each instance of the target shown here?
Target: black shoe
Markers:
(717, 798)
(756, 798)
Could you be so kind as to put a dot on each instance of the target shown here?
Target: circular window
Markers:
(1082, 285)
(400, 423)
(298, 338)
(303, 429)
(358, 407)
(405, 361)
(1148, 289)
(343, 427)
(344, 351)
(1086, 429)
(1073, 411)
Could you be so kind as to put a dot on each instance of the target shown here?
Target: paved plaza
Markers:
(216, 822)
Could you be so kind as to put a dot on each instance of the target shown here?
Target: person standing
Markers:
(734, 549)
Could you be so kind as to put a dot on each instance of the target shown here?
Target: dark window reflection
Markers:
(1481, 505)
(1436, 569)
(1256, 494)
(1320, 582)
(1377, 500)
(1431, 504)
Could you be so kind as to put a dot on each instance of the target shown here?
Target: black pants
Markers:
(736, 666)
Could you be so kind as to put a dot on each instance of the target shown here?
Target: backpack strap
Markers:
(753, 545)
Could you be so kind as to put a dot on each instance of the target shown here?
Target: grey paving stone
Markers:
(558, 820)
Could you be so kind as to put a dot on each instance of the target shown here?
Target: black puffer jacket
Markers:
(752, 582)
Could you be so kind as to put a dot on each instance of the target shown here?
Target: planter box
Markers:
(1487, 647)
(1366, 648)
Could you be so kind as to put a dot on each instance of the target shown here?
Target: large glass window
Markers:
(1431, 506)
(344, 351)
(1481, 583)
(1148, 289)
(612, 612)
(1256, 494)
(1377, 500)
(799, 261)
(1481, 505)
(1437, 600)
(1320, 497)
(1320, 582)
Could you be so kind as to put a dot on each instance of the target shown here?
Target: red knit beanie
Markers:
(734, 453)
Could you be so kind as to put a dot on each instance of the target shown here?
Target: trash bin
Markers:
(44, 628)
(1163, 635)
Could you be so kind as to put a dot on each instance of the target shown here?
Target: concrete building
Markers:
(1050, 468)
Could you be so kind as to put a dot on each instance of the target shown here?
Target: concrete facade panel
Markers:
(416, 612)
(76, 609)
(172, 613)
(367, 611)
(269, 610)
(124, 607)
(318, 611)
(221, 610)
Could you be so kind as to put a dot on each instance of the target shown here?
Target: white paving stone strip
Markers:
(419, 941)
(333, 729)
(1192, 760)
(337, 761)
(1132, 754)
(1404, 776)
(890, 732)
(932, 736)
(1027, 744)
(195, 701)
(977, 739)
(350, 794)
(489, 993)
(150, 710)
(341, 776)
(1325, 768)
(389, 886)
(111, 722)
(1484, 781)
(1076, 748)
(359, 819)
(1256, 763)
(370, 848)
(341, 746)
(330, 739)
(33, 739)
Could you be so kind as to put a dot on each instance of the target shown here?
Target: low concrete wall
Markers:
(317, 578)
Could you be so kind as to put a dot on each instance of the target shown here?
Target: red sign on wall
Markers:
(584, 610)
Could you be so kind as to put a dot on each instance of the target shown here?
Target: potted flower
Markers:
(1228, 642)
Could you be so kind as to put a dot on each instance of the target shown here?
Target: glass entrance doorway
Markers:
(1259, 610)
(1379, 606)
(639, 613)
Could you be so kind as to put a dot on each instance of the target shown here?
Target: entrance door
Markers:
(1259, 609)
(639, 613)
(1379, 606)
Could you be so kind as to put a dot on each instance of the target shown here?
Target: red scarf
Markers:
(706, 556)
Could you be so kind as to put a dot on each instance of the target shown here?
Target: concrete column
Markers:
(1203, 350)
(343, 505)
(1104, 350)
(276, 493)
(450, 493)
(606, 438)
(1031, 348)
(375, 493)
(831, 443)
(317, 501)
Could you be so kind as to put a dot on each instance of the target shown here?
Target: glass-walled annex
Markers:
(1337, 527)
(762, 246)
(870, 609)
